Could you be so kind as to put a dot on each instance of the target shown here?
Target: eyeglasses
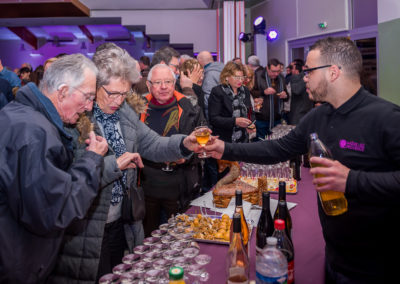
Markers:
(158, 84)
(239, 77)
(115, 95)
(89, 97)
(174, 65)
(308, 71)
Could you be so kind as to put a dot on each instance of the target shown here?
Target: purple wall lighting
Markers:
(272, 35)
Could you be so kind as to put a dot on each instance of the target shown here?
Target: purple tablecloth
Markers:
(307, 239)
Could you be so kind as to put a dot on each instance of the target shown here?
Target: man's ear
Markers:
(148, 85)
(334, 72)
(62, 92)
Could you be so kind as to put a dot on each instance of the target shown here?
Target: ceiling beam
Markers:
(25, 35)
(87, 33)
(43, 9)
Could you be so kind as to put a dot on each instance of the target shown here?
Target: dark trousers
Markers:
(335, 277)
(153, 212)
(112, 247)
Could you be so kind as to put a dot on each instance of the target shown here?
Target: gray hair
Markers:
(342, 52)
(115, 62)
(67, 70)
(157, 66)
(253, 60)
(185, 57)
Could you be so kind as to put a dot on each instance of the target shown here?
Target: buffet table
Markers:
(306, 233)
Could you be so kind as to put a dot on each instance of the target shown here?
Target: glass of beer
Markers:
(202, 134)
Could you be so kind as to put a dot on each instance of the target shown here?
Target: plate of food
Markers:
(207, 228)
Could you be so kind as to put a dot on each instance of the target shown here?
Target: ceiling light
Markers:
(259, 25)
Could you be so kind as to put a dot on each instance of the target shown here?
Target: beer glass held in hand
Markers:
(202, 134)
(333, 202)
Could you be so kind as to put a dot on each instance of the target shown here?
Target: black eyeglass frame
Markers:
(309, 70)
(115, 95)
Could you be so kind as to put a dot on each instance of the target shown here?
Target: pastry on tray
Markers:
(226, 187)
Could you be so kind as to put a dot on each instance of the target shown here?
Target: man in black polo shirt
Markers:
(363, 133)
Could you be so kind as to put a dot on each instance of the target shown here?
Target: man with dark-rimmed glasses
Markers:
(363, 133)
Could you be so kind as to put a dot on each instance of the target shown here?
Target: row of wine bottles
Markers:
(238, 253)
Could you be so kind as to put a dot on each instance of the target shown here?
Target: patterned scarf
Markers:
(239, 109)
(115, 140)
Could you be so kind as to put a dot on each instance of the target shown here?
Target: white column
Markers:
(233, 25)
(260, 48)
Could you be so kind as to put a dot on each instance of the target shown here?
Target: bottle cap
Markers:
(272, 241)
(314, 136)
(279, 224)
(176, 273)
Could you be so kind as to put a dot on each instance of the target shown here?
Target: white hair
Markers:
(253, 60)
(159, 66)
(68, 70)
(115, 62)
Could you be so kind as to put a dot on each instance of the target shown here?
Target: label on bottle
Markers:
(237, 275)
(272, 280)
(290, 272)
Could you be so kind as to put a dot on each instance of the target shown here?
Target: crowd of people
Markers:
(81, 138)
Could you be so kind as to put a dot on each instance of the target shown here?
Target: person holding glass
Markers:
(91, 248)
(229, 107)
(168, 112)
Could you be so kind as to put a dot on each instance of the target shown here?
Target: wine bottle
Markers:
(333, 202)
(286, 247)
(265, 226)
(244, 226)
(283, 215)
(279, 214)
(237, 259)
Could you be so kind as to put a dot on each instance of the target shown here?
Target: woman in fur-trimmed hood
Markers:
(93, 246)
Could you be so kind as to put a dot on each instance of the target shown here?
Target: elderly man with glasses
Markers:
(42, 189)
(168, 112)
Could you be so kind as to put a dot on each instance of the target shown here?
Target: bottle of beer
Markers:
(237, 258)
(265, 226)
(283, 213)
(286, 247)
(333, 202)
(244, 226)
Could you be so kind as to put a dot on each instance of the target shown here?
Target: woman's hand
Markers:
(242, 122)
(129, 161)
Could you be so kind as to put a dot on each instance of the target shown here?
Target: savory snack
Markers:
(226, 187)
(223, 194)
(206, 228)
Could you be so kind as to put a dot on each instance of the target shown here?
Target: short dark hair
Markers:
(273, 61)
(145, 60)
(299, 61)
(342, 52)
(24, 70)
(164, 54)
(298, 67)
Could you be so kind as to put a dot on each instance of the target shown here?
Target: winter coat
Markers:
(41, 189)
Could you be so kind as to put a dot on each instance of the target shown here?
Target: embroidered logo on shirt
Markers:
(352, 145)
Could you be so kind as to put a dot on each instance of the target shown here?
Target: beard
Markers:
(319, 94)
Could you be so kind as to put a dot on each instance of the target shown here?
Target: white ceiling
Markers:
(144, 4)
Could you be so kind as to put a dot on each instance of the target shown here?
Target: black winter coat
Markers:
(41, 190)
